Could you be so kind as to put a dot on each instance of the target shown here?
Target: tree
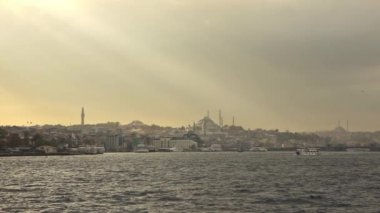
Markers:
(192, 136)
(3, 133)
(14, 140)
(38, 140)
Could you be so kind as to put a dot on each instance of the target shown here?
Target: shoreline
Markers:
(70, 154)
(42, 154)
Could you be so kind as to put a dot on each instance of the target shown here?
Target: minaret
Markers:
(82, 117)
(220, 118)
(204, 127)
(233, 120)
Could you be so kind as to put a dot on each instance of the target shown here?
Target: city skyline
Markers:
(288, 65)
(219, 122)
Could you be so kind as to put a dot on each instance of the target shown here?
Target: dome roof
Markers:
(208, 123)
(339, 129)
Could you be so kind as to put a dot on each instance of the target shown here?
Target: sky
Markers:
(296, 65)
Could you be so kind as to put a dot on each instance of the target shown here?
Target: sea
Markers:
(192, 182)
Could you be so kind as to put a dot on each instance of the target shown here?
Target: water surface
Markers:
(192, 182)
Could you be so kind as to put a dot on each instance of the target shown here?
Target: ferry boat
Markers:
(358, 150)
(308, 151)
(166, 150)
(141, 148)
(258, 149)
(90, 150)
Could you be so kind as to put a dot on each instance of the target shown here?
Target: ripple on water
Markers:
(191, 182)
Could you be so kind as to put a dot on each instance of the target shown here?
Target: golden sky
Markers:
(288, 64)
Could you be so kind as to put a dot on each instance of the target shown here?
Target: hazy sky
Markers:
(289, 64)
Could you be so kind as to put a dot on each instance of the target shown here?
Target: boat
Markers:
(141, 148)
(90, 150)
(258, 149)
(358, 150)
(308, 151)
(240, 148)
(166, 149)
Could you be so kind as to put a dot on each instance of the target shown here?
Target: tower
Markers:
(82, 117)
(204, 127)
(233, 120)
(220, 118)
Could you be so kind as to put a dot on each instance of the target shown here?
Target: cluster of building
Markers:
(204, 135)
(129, 142)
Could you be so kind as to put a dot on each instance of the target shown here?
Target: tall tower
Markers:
(82, 117)
(233, 120)
(220, 118)
(204, 127)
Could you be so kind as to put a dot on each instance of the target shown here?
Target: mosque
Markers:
(207, 126)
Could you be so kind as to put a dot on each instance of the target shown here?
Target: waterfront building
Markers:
(178, 145)
(216, 148)
(184, 145)
(116, 143)
(47, 149)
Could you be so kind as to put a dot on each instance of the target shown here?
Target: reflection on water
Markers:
(192, 182)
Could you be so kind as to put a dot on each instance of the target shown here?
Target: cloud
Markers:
(287, 64)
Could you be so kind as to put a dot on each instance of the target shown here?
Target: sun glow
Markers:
(50, 5)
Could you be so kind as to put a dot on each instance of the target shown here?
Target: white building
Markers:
(115, 143)
(47, 149)
(216, 148)
(178, 145)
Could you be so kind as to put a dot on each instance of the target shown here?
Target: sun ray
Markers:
(47, 5)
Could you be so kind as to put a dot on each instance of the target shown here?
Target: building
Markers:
(207, 126)
(47, 149)
(184, 145)
(178, 145)
(116, 143)
(216, 148)
(162, 143)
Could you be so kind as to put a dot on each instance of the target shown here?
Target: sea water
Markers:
(192, 182)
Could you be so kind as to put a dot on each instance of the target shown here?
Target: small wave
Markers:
(13, 190)
(316, 197)
(170, 198)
